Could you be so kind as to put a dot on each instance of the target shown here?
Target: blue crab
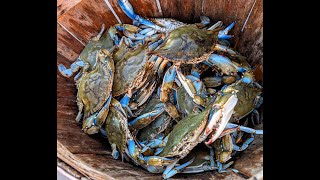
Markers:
(87, 58)
(94, 93)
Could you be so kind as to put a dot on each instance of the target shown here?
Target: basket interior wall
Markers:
(80, 20)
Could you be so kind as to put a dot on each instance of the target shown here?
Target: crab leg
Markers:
(158, 161)
(167, 83)
(243, 128)
(222, 167)
(216, 25)
(128, 10)
(145, 119)
(145, 93)
(191, 87)
(219, 47)
(223, 34)
(125, 102)
(244, 145)
(93, 123)
(255, 117)
(170, 171)
(75, 66)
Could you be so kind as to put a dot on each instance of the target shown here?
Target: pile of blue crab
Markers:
(170, 97)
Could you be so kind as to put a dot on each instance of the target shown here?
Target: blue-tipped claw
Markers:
(169, 172)
(125, 103)
(128, 10)
(223, 34)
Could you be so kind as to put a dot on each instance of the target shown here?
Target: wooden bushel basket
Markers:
(80, 20)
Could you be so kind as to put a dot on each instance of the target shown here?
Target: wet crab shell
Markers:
(188, 44)
(183, 138)
(95, 87)
(89, 52)
(116, 126)
(247, 94)
(131, 70)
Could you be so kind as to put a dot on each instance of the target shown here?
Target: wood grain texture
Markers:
(86, 18)
(187, 11)
(68, 48)
(64, 5)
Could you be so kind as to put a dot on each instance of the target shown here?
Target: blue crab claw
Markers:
(128, 10)
(223, 34)
(190, 87)
(145, 119)
(244, 145)
(125, 103)
(134, 151)
(170, 171)
(167, 83)
(75, 66)
(225, 64)
(158, 160)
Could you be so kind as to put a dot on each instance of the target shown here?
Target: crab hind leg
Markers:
(171, 170)
(128, 10)
(244, 145)
(167, 83)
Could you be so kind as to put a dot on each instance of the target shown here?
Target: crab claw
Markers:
(128, 10)
(170, 171)
(75, 66)
(223, 34)
(157, 160)
(167, 83)
(220, 118)
(225, 64)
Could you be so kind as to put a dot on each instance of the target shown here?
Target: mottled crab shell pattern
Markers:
(95, 87)
(116, 126)
(188, 44)
(247, 95)
(185, 134)
(130, 70)
(88, 54)
(157, 126)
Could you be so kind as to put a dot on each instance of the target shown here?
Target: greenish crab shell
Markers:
(116, 125)
(185, 134)
(188, 44)
(130, 70)
(185, 102)
(95, 87)
(89, 52)
(247, 95)
(157, 126)
(223, 148)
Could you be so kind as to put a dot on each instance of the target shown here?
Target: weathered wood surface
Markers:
(83, 19)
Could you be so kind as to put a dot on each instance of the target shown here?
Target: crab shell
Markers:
(89, 52)
(156, 127)
(185, 134)
(247, 94)
(188, 44)
(116, 126)
(131, 70)
(223, 148)
(95, 87)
